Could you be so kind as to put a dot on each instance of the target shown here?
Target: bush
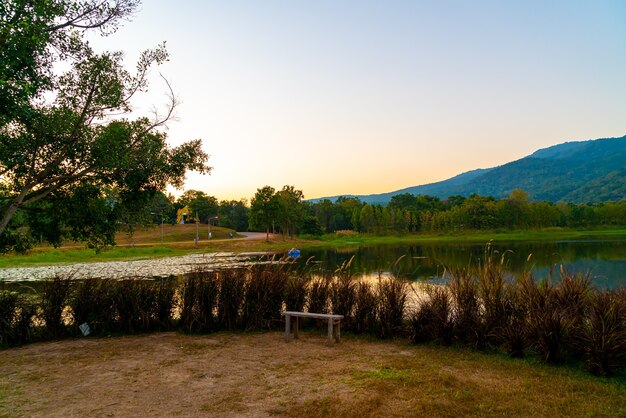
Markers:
(143, 305)
(392, 295)
(232, 290)
(296, 292)
(549, 324)
(432, 320)
(514, 330)
(264, 296)
(92, 301)
(603, 333)
(16, 315)
(466, 313)
(54, 298)
(343, 297)
(319, 294)
(365, 307)
(199, 294)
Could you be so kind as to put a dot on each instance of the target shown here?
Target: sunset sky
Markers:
(359, 97)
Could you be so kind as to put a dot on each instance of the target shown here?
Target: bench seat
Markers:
(334, 324)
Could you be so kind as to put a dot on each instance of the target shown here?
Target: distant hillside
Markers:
(579, 172)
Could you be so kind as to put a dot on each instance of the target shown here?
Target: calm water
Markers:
(604, 260)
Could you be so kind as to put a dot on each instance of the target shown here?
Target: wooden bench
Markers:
(334, 324)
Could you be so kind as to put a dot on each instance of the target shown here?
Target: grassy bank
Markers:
(552, 234)
(179, 240)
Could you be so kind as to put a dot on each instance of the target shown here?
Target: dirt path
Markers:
(256, 375)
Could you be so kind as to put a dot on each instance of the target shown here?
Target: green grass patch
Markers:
(70, 256)
(150, 246)
(551, 234)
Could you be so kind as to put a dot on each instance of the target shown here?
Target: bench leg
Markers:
(329, 341)
(338, 331)
(296, 328)
(287, 327)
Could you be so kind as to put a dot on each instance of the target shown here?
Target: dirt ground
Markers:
(256, 375)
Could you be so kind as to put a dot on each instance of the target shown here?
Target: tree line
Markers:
(407, 213)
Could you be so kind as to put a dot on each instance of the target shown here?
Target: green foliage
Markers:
(54, 299)
(16, 314)
(66, 123)
(234, 214)
(407, 214)
(264, 209)
(232, 290)
(199, 295)
(284, 209)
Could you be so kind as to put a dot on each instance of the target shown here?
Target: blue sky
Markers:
(339, 97)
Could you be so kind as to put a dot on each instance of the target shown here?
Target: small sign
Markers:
(84, 328)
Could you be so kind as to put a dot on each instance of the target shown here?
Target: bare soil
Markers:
(256, 375)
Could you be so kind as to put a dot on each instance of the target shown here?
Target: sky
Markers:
(358, 97)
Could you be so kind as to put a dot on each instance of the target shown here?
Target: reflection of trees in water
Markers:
(606, 259)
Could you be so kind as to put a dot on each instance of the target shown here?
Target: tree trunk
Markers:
(8, 214)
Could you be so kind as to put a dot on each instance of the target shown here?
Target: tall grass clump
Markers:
(343, 292)
(263, 301)
(296, 292)
(343, 297)
(55, 295)
(92, 301)
(549, 320)
(16, 315)
(319, 294)
(232, 290)
(392, 295)
(165, 303)
(432, 320)
(603, 333)
(514, 330)
(467, 326)
(198, 300)
(143, 305)
(365, 307)
(492, 295)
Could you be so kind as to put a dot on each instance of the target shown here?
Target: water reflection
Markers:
(604, 260)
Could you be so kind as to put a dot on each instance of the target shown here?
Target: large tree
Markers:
(61, 130)
(264, 209)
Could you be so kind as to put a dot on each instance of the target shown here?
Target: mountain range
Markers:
(577, 172)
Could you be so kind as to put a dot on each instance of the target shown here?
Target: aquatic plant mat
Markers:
(257, 374)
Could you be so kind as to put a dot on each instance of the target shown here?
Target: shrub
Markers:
(433, 320)
(198, 300)
(142, 305)
(491, 291)
(549, 324)
(164, 309)
(365, 304)
(264, 296)
(92, 302)
(514, 330)
(319, 294)
(296, 292)
(16, 315)
(232, 285)
(392, 295)
(603, 336)
(466, 316)
(54, 298)
(343, 297)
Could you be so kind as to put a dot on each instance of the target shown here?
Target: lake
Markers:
(605, 260)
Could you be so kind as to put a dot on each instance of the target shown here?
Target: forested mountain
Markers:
(578, 172)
